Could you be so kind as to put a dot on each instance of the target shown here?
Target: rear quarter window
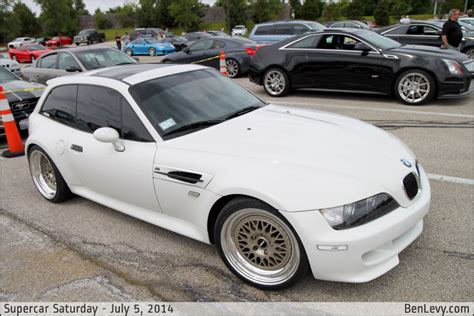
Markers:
(264, 30)
(60, 105)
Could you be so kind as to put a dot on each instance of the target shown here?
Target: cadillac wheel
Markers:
(276, 82)
(415, 87)
(258, 245)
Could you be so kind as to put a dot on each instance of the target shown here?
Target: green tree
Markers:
(354, 11)
(9, 23)
(296, 7)
(311, 9)
(80, 7)
(421, 6)
(187, 13)
(58, 17)
(331, 12)
(381, 13)
(400, 7)
(27, 23)
(265, 10)
(238, 11)
(163, 15)
(101, 20)
(147, 13)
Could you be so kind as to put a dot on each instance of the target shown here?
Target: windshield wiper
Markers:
(193, 125)
(242, 112)
(124, 63)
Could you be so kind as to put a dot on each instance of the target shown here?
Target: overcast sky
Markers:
(92, 5)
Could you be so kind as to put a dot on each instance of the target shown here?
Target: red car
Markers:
(58, 41)
(27, 53)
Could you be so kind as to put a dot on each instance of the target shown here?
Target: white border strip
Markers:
(439, 177)
(373, 109)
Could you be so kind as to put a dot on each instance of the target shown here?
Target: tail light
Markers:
(252, 51)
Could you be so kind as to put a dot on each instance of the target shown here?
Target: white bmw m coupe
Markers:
(279, 190)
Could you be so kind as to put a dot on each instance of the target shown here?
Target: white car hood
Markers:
(304, 157)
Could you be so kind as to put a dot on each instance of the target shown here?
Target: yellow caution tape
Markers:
(23, 90)
(200, 61)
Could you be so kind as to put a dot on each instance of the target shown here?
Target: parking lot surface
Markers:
(81, 251)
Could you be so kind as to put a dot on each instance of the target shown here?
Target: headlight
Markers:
(469, 37)
(360, 212)
(453, 66)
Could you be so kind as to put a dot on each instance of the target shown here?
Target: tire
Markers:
(89, 42)
(414, 87)
(101, 40)
(32, 59)
(78, 44)
(46, 176)
(152, 51)
(276, 82)
(129, 52)
(259, 245)
(14, 58)
(469, 52)
(233, 68)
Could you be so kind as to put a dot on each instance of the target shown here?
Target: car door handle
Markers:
(76, 148)
(188, 177)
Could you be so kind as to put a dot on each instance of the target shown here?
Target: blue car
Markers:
(148, 46)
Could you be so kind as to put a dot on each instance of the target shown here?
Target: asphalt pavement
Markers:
(82, 251)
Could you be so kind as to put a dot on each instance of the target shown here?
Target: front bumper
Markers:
(460, 90)
(371, 249)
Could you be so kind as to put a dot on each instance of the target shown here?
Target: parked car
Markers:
(277, 189)
(21, 102)
(153, 32)
(218, 33)
(179, 42)
(27, 53)
(271, 32)
(239, 30)
(10, 65)
(425, 33)
(71, 61)
(89, 36)
(19, 41)
(148, 46)
(41, 40)
(353, 24)
(469, 21)
(59, 41)
(361, 61)
(238, 54)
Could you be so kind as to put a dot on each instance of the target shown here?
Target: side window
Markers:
(218, 44)
(299, 29)
(336, 25)
(415, 30)
(66, 61)
(428, 30)
(49, 61)
(200, 45)
(132, 127)
(60, 105)
(397, 31)
(283, 29)
(264, 30)
(98, 107)
(327, 42)
(308, 42)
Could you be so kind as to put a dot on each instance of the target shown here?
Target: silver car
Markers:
(70, 61)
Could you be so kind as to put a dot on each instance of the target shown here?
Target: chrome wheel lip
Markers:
(42, 173)
(470, 53)
(414, 87)
(152, 52)
(274, 82)
(241, 264)
(232, 68)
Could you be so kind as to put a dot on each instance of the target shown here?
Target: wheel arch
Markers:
(219, 205)
(465, 49)
(402, 70)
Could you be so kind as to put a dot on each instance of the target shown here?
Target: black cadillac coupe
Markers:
(361, 61)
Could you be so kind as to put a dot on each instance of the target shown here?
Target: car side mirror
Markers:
(186, 50)
(362, 46)
(109, 135)
(73, 69)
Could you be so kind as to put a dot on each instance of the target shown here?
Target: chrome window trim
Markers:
(417, 24)
(374, 49)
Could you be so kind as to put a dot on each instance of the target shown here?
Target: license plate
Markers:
(23, 124)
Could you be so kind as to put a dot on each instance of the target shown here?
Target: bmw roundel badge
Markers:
(406, 162)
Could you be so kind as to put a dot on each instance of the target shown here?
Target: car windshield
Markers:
(315, 26)
(378, 40)
(183, 103)
(93, 59)
(35, 47)
(84, 32)
(151, 41)
(55, 39)
(6, 76)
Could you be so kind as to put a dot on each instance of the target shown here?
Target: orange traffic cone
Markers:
(15, 145)
(222, 64)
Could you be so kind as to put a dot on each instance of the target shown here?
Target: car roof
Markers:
(132, 74)
(286, 21)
